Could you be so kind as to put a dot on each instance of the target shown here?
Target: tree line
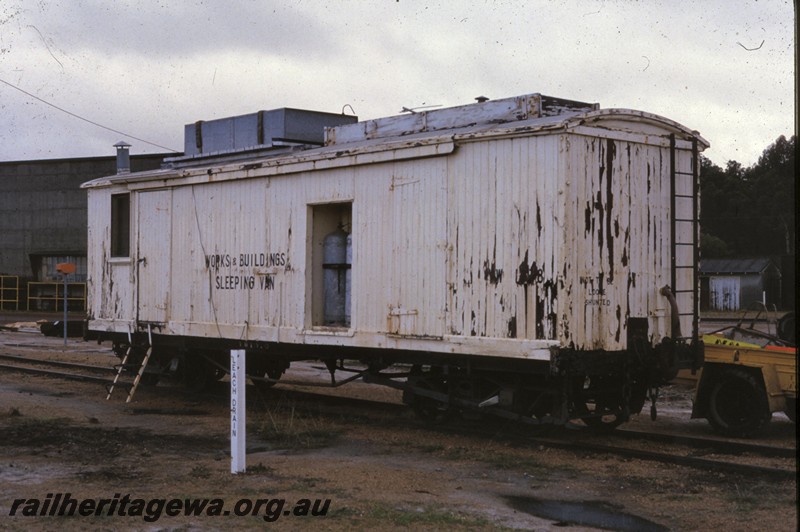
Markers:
(749, 212)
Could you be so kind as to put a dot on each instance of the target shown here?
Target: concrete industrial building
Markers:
(43, 222)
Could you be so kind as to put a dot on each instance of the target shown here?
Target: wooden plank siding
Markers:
(505, 243)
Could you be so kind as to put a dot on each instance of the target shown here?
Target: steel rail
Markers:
(56, 363)
(725, 446)
(675, 459)
(59, 374)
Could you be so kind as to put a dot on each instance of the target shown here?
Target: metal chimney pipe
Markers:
(123, 157)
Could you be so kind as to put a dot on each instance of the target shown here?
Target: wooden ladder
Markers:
(124, 364)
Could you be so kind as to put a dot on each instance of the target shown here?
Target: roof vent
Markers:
(123, 157)
(259, 130)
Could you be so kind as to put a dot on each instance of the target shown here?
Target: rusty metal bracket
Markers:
(675, 316)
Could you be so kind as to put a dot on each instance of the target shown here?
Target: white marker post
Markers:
(66, 301)
(238, 408)
(65, 268)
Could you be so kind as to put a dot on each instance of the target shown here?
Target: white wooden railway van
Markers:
(529, 256)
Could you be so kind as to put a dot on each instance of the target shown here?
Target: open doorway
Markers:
(330, 244)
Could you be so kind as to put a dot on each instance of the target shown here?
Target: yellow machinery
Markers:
(746, 377)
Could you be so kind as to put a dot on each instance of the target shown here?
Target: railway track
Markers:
(722, 462)
(732, 457)
(732, 447)
(39, 366)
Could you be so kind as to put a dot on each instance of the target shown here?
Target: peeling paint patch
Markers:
(512, 327)
(550, 288)
(491, 273)
(598, 205)
(587, 213)
(528, 274)
(610, 153)
(538, 220)
(539, 317)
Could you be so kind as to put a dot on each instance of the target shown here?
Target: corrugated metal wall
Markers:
(724, 292)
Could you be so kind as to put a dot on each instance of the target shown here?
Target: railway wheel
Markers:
(270, 369)
(600, 402)
(542, 410)
(428, 409)
(601, 417)
(791, 409)
(271, 373)
(737, 404)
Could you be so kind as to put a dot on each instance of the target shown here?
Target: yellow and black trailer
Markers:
(742, 384)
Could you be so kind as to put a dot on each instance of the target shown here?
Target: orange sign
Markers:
(65, 267)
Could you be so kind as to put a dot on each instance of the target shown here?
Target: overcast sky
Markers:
(147, 67)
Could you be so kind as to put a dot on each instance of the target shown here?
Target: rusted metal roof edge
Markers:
(111, 180)
(312, 159)
(594, 123)
(301, 163)
(596, 118)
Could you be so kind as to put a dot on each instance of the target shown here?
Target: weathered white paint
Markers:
(493, 112)
(111, 286)
(153, 254)
(500, 239)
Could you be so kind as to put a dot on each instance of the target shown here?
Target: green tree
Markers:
(750, 211)
(773, 191)
(713, 247)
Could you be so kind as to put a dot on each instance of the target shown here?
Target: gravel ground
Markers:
(379, 470)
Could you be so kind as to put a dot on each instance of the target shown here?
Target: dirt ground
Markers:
(59, 437)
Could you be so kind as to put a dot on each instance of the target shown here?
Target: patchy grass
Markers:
(286, 428)
(38, 422)
(523, 462)
(424, 517)
(200, 471)
(33, 431)
(746, 499)
(513, 461)
(679, 497)
(430, 448)
(260, 469)
(12, 412)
